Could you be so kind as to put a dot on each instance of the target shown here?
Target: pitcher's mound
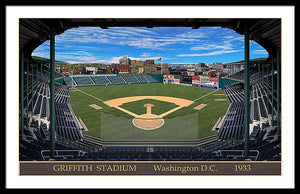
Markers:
(148, 121)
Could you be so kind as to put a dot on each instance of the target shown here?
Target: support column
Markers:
(272, 69)
(246, 93)
(49, 71)
(27, 93)
(263, 73)
(268, 91)
(36, 75)
(52, 90)
(278, 115)
(31, 88)
(41, 73)
(22, 92)
(259, 80)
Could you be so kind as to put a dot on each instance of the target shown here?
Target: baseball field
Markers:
(148, 111)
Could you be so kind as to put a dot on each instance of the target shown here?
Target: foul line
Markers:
(205, 95)
(89, 95)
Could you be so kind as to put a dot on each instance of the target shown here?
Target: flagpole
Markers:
(160, 68)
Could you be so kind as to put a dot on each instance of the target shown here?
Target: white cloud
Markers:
(208, 54)
(225, 46)
(259, 52)
(145, 55)
(193, 34)
(134, 37)
(42, 54)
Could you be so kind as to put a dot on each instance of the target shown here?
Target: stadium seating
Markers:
(234, 93)
(62, 95)
(69, 81)
(150, 78)
(233, 124)
(260, 102)
(109, 79)
(100, 80)
(130, 79)
(66, 124)
(116, 79)
(141, 78)
(83, 81)
(255, 75)
(33, 144)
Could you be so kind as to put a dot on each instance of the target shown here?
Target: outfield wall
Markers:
(225, 81)
(158, 77)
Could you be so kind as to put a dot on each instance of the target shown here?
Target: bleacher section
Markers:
(150, 78)
(130, 79)
(116, 79)
(62, 95)
(83, 81)
(65, 122)
(233, 125)
(108, 79)
(69, 81)
(235, 93)
(141, 78)
(254, 78)
(100, 80)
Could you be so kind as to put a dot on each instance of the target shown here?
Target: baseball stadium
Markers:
(150, 116)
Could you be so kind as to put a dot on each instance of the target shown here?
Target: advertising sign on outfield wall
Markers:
(176, 81)
(206, 81)
(209, 82)
(171, 80)
(196, 80)
(166, 80)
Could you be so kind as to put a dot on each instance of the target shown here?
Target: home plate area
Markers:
(148, 121)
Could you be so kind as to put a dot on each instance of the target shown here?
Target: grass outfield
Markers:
(82, 97)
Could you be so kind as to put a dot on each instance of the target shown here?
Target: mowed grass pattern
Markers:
(91, 117)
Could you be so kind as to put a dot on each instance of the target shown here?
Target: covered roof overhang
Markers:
(266, 32)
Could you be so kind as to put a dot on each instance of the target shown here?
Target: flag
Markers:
(159, 59)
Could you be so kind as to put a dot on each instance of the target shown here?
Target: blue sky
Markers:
(173, 45)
